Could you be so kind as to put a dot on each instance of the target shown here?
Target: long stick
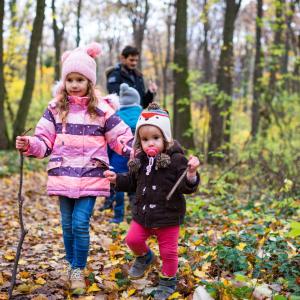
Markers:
(24, 231)
(176, 184)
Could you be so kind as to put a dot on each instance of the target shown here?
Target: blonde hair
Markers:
(63, 103)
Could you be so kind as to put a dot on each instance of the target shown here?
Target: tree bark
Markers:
(58, 37)
(181, 102)
(78, 22)
(4, 141)
(167, 61)
(139, 21)
(258, 71)
(275, 63)
(220, 121)
(35, 40)
(207, 65)
(296, 71)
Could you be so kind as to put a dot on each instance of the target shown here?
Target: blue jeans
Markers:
(119, 205)
(75, 220)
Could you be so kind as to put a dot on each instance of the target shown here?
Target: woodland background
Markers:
(228, 72)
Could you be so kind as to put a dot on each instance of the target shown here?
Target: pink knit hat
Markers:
(81, 60)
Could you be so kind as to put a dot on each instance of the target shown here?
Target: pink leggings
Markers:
(167, 240)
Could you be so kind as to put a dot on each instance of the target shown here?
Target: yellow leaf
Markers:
(226, 297)
(199, 273)
(261, 242)
(112, 275)
(241, 246)
(23, 288)
(43, 266)
(182, 231)
(40, 280)
(24, 274)
(93, 288)
(181, 250)
(226, 282)
(9, 256)
(22, 262)
(78, 291)
(197, 242)
(114, 247)
(1, 279)
(175, 295)
(131, 292)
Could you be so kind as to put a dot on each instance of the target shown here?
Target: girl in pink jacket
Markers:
(75, 130)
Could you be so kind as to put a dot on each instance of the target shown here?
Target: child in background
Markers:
(158, 165)
(75, 129)
(129, 112)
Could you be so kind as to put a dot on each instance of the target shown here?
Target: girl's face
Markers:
(76, 85)
(151, 137)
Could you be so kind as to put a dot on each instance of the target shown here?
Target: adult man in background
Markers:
(126, 72)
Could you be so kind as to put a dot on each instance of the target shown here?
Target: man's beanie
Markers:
(155, 116)
(129, 96)
(81, 60)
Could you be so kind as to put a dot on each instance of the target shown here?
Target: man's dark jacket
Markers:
(150, 208)
(120, 74)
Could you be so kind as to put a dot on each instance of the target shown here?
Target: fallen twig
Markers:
(24, 231)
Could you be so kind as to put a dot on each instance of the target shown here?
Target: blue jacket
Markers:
(120, 74)
(129, 115)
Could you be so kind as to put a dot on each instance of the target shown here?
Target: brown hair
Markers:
(138, 145)
(63, 103)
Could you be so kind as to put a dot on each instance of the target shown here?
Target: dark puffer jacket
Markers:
(119, 74)
(151, 209)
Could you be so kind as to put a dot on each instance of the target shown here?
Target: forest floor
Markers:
(234, 250)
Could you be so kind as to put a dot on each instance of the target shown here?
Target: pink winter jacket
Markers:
(79, 150)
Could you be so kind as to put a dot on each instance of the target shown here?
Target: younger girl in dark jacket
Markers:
(153, 172)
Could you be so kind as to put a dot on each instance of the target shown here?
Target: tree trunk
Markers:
(139, 20)
(167, 61)
(296, 71)
(4, 141)
(274, 66)
(289, 44)
(35, 40)
(58, 37)
(258, 71)
(182, 103)
(78, 22)
(220, 110)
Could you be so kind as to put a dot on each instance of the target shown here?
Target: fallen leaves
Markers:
(106, 274)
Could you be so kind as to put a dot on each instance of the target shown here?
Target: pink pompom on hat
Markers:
(81, 60)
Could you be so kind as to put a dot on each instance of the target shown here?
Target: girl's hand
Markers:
(22, 143)
(111, 176)
(193, 165)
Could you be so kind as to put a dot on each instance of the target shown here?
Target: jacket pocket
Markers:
(54, 162)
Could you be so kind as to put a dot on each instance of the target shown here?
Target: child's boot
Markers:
(140, 265)
(77, 279)
(165, 288)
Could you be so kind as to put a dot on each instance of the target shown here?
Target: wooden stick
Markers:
(176, 184)
(24, 231)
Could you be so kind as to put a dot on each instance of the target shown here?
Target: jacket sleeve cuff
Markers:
(192, 186)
